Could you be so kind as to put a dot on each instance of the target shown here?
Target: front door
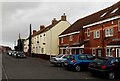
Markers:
(99, 52)
(117, 52)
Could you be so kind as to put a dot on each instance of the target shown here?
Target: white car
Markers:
(59, 59)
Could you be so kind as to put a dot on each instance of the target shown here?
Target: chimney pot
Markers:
(42, 27)
(54, 21)
(63, 17)
(34, 31)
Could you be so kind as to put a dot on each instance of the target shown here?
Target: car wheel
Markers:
(62, 64)
(111, 75)
(77, 68)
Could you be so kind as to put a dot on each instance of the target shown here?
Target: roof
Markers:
(45, 29)
(106, 13)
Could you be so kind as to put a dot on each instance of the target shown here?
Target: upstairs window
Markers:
(119, 25)
(96, 34)
(114, 10)
(70, 37)
(88, 32)
(61, 39)
(103, 14)
(108, 32)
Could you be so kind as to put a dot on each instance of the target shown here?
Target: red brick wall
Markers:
(66, 39)
(94, 43)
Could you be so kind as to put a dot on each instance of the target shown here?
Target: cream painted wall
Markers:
(50, 39)
(26, 42)
(41, 41)
(53, 39)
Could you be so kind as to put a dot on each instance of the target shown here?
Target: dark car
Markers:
(20, 55)
(14, 53)
(78, 61)
(107, 67)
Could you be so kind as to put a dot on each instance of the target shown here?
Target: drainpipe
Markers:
(102, 40)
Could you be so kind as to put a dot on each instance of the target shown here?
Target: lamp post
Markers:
(30, 41)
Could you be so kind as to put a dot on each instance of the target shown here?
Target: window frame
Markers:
(82, 57)
(96, 34)
(109, 52)
(88, 32)
(119, 25)
(109, 32)
(71, 38)
(62, 40)
(93, 51)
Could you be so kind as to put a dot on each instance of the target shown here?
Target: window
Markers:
(108, 32)
(82, 57)
(114, 60)
(109, 52)
(90, 57)
(70, 37)
(62, 40)
(119, 25)
(96, 34)
(103, 14)
(88, 32)
(93, 52)
(114, 10)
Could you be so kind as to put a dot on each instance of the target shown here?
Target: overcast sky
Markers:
(16, 16)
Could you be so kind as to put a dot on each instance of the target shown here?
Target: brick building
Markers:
(97, 34)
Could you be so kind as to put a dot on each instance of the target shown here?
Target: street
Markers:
(36, 68)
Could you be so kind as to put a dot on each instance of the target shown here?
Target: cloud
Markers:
(16, 16)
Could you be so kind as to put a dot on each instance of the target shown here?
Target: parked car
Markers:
(20, 55)
(78, 61)
(14, 53)
(59, 59)
(108, 67)
(9, 52)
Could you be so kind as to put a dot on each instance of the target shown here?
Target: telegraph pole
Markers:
(30, 42)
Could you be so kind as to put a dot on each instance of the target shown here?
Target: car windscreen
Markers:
(100, 61)
(58, 56)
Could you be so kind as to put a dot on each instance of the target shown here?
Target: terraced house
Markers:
(97, 34)
(45, 41)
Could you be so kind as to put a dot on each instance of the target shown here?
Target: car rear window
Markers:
(71, 57)
(100, 61)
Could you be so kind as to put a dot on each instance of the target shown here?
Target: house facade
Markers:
(104, 34)
(99, 33)
(26, 43)
(45, 42)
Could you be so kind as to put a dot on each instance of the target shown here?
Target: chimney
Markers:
(42, 27)
(34, 31)
(54, 21)
(63, 17)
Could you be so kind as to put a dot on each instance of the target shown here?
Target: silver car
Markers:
(59, 59)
